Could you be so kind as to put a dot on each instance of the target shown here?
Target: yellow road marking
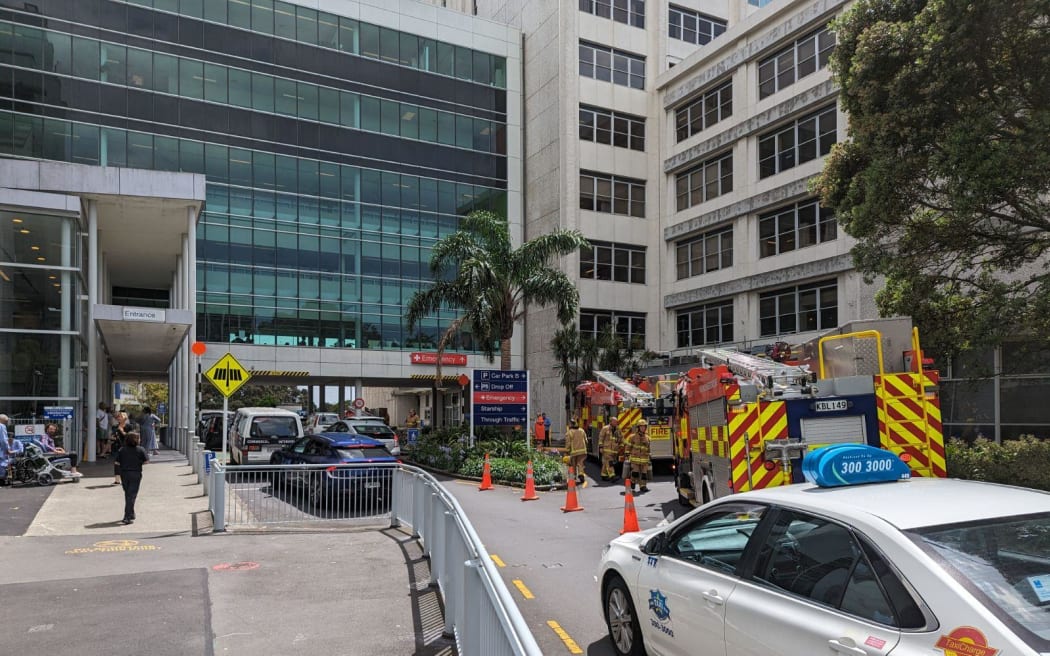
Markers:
(496, 559)
(570, 644)
(525, 592)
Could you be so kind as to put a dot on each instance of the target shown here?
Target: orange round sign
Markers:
(463, 380)
(199, 348)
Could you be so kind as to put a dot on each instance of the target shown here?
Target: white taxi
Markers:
(909, 568)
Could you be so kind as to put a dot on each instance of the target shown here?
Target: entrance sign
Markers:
(454, 359)
(227, 375)
(58, 412)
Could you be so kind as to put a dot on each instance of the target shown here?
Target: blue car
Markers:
(331, 488)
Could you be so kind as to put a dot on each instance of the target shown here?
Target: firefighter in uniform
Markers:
(609, 444)
(576, 446)
(639, 455)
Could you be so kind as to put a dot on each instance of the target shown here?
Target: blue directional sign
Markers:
(162, 408)
(500, 398)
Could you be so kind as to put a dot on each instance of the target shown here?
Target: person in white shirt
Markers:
(102, 430)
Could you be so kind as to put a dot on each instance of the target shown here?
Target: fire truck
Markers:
(612, 396)
(745, 422)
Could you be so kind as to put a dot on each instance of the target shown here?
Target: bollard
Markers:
(218, 500)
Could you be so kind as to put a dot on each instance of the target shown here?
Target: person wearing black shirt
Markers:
(130, 459)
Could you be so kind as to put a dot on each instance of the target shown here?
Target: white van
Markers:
(258, 432)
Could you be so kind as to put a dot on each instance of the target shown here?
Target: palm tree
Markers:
(565, 346)
(490, 284)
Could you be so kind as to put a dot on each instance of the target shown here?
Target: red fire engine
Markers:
(745, 422)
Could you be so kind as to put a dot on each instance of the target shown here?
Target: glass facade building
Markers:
(337, 150)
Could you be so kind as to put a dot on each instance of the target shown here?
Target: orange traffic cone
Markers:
(630, 517)
(530, 485)
(571, 505)
(486, 476)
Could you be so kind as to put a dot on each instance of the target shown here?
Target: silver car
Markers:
(369, 427)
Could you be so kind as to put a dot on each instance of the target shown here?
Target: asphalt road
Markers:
(554, 555)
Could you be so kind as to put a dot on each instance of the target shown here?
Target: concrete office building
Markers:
(603, 82)
(338, 140)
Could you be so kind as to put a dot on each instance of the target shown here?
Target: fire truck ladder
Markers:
(629, 391)
(773, 377)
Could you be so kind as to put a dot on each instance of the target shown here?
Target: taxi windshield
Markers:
(1004, 563)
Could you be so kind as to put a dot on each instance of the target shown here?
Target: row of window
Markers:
(611, 65)
(612, 194)
(692, 26)
(708, 179)
(704, 253)
(714, 106)
(803, 57)
(351, 326)
(797, 309)
(614, 128)
(800, 141)
(795, 226)
(347, 35)
(615, 262)
(27, 135)
(78, 57)
(628, 12)
(628, 326)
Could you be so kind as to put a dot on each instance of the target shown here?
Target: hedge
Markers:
(1024, 462)
(448, 451)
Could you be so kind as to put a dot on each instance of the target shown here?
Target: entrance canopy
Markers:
(142, 342)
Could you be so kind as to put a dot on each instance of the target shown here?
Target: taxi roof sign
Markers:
(839, 465)
(227, 375)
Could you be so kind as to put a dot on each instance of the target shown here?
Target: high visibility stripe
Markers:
(909, 422)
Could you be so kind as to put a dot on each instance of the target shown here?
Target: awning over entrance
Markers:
(142, 342)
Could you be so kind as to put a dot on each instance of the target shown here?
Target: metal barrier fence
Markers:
(479, 610)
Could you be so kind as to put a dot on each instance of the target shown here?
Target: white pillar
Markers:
(191, 305)
(184, 354)
(92, 339)
(176, 404)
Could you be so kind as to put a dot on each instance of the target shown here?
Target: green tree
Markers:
(250, 396)
(945, 180)
(565, 346)
(489, 284)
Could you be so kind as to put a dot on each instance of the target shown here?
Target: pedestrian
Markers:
(640, 458)
(120, 431)
(148, 423)
(12, 449)
(609, 444)
(546, 427)
(102, 434)
(540, 430)
(130, 458)
(412, 420)
(53, 451)
(5, 451)
(576, 446)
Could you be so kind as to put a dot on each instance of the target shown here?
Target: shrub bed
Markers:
(1024, 462)
(448, 451)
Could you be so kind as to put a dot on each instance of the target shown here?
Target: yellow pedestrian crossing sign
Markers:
(227, 375)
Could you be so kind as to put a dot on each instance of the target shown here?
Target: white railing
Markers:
(480, 612)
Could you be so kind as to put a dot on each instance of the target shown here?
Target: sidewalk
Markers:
(167, 501)
(74, 575)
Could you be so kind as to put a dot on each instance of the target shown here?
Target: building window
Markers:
(615, 262)
(795, 226)
(612, 194)
(610, 65)
(693, 27)
(628, 326)
(613, 128)
(705, 324)
(705, 253)
(805, 56)
(799, 309)
(628, 12)
(709, 179)
(758, 3)
(704, 112)
(797, 142)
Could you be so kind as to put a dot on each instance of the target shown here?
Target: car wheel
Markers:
(622, 621)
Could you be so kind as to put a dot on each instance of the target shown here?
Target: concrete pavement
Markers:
(75, 580)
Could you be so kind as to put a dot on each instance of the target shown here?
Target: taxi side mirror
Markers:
(655, 544)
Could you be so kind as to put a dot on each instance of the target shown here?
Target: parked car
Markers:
(372, 427)
(259, 432)
(319, 422)
(322, 486)
(905, 568)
